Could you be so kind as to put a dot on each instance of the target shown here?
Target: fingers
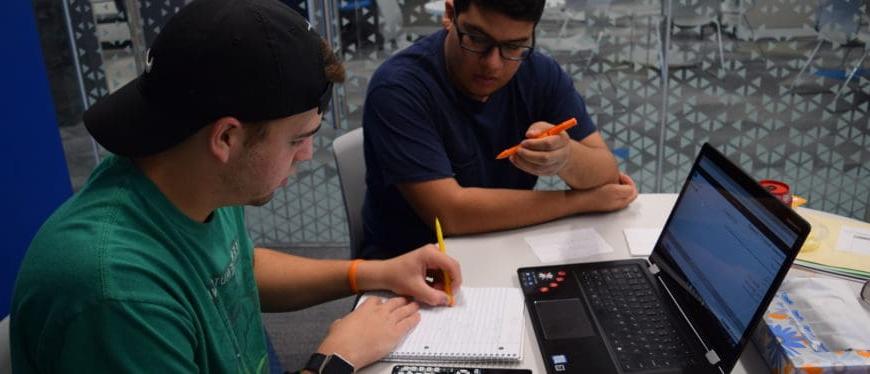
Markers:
(446, 263)
(625, 179)
(395, 303)
(398, 308)
(634, 193)
(440, 263)
(542, 159)
(538, 128)
(551, 168)
(406, 315)
(544, 156)
(370, 302)
(428, 295)
(406, 324)
(621, 194)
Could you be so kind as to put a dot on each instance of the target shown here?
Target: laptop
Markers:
(693, 304)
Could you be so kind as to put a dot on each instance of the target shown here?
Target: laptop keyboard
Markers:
(635, 322)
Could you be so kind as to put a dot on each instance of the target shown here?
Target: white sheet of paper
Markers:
(641, 241)
(854, 239)
(832, 309)
(567, 244)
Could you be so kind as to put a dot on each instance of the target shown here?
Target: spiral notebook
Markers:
(485, 325)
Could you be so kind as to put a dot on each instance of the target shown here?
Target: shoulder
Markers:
(414, 67)
(540, 68)
(86, 258)
(103, 235)
(91, 251)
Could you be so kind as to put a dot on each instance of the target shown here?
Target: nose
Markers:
(307, 151)
(492, 59)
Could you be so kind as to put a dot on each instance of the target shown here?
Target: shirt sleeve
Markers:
(128, 337)
(402, 137)
(562, 101)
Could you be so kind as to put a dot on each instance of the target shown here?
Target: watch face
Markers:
(334, 364)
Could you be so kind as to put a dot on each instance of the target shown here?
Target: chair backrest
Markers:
(351, 165)
(390, 18)
(706, 9)
(838, 20)
(769, 19)
(5, 349)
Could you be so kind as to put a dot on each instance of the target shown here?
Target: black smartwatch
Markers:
(315, 362)
(331, 364)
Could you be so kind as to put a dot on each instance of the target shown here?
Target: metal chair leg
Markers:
(809, 61)
(719, 39)
(851, 74)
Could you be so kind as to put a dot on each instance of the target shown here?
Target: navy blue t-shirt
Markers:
(417, 127)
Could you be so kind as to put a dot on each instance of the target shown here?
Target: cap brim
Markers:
(126, 124)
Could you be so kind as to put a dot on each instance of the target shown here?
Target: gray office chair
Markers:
(837, 22)
(862, 36)
(351, 165)
(5, 349)
(696, 14)
(390, 20)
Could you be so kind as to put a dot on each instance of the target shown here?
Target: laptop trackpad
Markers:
(563, 319)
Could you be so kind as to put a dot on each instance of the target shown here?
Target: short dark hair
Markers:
(524, 10)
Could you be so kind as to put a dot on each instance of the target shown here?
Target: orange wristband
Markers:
(351, 275)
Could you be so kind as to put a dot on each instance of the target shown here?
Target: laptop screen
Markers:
(725, 249)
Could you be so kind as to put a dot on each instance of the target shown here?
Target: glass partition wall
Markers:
(781, 86)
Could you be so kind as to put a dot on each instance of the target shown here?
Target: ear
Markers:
(226, 134)
(447, 20)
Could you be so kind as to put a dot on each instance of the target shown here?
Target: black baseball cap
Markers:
(254, 60)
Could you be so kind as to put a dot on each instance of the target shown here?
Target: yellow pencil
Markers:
(447, 285)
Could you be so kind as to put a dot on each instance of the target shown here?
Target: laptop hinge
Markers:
(712, 357)
(654, 269)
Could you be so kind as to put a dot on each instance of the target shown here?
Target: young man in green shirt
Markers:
(149, 267)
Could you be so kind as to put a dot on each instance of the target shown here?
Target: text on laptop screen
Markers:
(726, 244)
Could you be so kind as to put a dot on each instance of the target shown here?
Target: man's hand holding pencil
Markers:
(546, 149)
(406, 275)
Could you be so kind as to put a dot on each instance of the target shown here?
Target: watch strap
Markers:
(315, 362)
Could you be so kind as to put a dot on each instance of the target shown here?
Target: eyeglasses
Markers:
(483, 44)
(865, 292)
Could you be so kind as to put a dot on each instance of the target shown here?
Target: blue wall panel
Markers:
(34, 176)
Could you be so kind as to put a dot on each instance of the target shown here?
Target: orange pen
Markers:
(555, 130)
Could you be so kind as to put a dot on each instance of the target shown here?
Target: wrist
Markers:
(582, 201)
(328, 363)
(370, 276)
(353, 276)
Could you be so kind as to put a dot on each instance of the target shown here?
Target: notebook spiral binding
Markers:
(460, 357)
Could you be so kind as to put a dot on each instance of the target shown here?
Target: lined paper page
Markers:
(486, 324)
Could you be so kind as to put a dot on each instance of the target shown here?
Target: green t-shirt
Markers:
(119, 280)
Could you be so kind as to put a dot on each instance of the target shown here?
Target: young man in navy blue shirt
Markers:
(437, 114)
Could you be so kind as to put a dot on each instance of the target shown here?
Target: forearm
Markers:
(286, 282)
(476, 210)
(589, 167)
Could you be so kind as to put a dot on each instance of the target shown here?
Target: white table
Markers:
(491, 260)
